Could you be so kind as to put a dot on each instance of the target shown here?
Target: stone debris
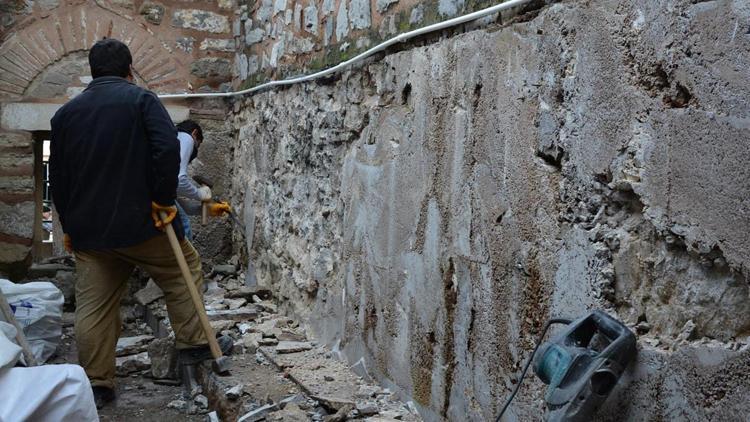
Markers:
(332, 391)
(134, 363)
(149, 293)
(241, 314)
(235, 392)
(132, 345)
(292, 346)
(163, 357)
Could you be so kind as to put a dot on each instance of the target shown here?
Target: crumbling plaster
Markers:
(429, 211)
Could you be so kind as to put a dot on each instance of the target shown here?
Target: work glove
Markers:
(217, 209)
(67, 243)
(204, 193)
(170, 210)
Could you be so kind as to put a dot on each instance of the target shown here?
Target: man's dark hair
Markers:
(188, 126)
(110, 57)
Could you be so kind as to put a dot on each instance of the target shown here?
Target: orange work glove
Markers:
(217, 209)
(170, 210)
(67, 244)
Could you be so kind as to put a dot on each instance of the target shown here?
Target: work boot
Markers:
(196, 355)
(103, 395)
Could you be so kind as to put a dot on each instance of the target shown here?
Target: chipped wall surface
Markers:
(428, 212)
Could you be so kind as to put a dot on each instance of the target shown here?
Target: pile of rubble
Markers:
(278, 374)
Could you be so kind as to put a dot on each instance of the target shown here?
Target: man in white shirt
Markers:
(190, 135)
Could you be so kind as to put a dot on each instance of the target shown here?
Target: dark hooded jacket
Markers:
(113, 150)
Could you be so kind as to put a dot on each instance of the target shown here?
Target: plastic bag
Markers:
(37, 307)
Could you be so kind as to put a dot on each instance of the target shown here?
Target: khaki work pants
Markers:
(101, 282)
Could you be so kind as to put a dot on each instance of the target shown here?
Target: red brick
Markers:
(18, 56)
(32, 44)
(22, 170)
(15, 197)
(10, 88)
(28, 54)
(149, 72)
(13, 239)
(65, 29)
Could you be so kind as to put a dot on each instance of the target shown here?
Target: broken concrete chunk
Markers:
(149, 293)
(291, 413)
(268, 307)
(237, 315)
(334, 404)
(252, 341)
(222, 325)
(248, 292)
(225, 269)
(258, 414)
(163, 356)
(341, 415)
(201, 401)
(132, 345)
(268, 341)
(235, 303)
(213, 417)
(269, 328)
(367, 408)
(288, 335)
(367, 391)
(235, 392)
(292, 346)
(177, 404)
(128, 364)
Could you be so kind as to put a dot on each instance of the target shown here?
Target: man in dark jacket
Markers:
(114, 160)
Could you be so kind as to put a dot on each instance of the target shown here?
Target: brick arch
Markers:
(28, 52)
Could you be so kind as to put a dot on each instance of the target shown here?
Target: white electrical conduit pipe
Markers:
(380, 47)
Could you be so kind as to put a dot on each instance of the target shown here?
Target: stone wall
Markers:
(176, 46)
(428, 212)
(279, 38)
(16, 201)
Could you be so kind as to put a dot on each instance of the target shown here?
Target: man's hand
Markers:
(67, 243)
(170, 210)
(204, 193)
(217, 209)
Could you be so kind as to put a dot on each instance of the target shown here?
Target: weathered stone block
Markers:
(200, 20)
(132, 345)
(128, 364)
(48, 4)
(17, 219)
(163, 357)
(310, 15)
(342, 22)
(254, 36)
(214, 44)
(149, 293)
(125, 4)
(359, 15)
(212, 67)
(152, 12)
(383, 5)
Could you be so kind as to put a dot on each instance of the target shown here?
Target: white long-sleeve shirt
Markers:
(186, 188)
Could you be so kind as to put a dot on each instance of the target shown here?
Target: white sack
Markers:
(50, 393)
(37, 307)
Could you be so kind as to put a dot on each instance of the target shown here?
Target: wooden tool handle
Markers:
(197, 302)
(204, 213)
(20, 338)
